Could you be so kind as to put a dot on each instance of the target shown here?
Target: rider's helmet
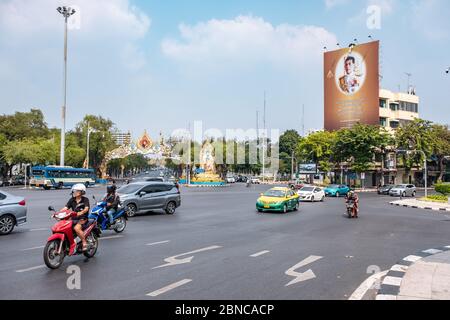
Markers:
(79, 187)
(350, 194)
(111, 189)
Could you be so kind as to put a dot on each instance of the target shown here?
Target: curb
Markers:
(419, 207)
(206, 186)
(390, 286)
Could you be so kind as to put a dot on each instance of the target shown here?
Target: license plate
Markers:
(267, 207)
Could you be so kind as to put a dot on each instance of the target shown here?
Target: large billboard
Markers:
(351, 78)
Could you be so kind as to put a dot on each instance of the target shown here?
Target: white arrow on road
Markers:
(302, 276)
(172, 261)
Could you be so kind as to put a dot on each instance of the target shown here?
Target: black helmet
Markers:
(111, 189)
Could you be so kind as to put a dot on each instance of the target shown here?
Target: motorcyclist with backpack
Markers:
(112, 203)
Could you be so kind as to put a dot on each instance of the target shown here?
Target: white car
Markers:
(231, 180)
(311, 193)
(255, 180)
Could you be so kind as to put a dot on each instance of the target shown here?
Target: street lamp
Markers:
(89, 131)
(424, 165)
(66, 13)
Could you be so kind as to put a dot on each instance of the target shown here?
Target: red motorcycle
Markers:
(64, 242)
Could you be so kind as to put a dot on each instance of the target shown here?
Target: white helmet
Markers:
(79, 187)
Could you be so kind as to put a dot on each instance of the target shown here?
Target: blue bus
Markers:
(59, 177)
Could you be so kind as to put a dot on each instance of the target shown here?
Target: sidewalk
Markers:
(417, 204)
(419, 278)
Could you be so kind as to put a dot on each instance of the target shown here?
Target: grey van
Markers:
(148, 196)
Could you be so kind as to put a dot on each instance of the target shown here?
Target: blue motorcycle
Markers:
(98, 213)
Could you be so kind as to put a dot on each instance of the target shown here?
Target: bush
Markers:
(437, 198)
(443, 188)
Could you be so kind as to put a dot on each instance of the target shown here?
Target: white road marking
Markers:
(392, 281)
(168, 288)
(39, 229)
(156, 243)
(34, 248)
(399, 268)
(302, 276)
(412, 258)
(172, 261)
(31, 269)
(259, 253)
(432, 251)
(109, 238)
(368, 284)
(386, 297)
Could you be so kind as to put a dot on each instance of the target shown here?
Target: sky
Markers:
(160, 65)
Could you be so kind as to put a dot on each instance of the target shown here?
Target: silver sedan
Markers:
(13, 212)
(403, 190)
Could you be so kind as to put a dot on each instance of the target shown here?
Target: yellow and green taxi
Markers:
(278, 199)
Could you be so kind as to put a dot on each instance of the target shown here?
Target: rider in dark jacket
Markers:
(352, 196)
(112, 202)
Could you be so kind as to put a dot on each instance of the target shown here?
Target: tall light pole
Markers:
(89, 131)
(66, 13)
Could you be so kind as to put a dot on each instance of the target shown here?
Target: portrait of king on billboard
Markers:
(351, 86)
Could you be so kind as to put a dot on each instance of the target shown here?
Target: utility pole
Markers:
(264, 141)
(409, 75)
(66, 12)
(303, 120)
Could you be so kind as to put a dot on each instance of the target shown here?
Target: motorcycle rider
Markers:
(112, 202)
(79, 204)
(352, 196)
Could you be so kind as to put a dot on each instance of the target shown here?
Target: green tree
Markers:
(441, 146)
(23, 125)
(318, 148)
(101, 139)
(416, 135)
(359, 144)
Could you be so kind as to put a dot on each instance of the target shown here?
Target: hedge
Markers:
(443, 188)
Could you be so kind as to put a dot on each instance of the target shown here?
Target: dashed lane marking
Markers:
(33, 248)
(168, 288)
(258, 254)
(31, 269)
(156, 243)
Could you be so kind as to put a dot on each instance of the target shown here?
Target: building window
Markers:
(394, 124)
(393, 106)
(410, 107)
(383, 122)
(383, 104)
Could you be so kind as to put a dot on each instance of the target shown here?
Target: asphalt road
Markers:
(237, 253)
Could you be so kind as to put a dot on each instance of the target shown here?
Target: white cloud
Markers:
(248, 40)
(112, 21)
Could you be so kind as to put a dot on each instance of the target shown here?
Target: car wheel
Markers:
(323, 199)
(46, 188)
(259, 210)
(6, 224)
(312, 199)
(285, 208)
(171, 207)
(297, 206)
(131, 210)
(404, 194)
(414, 194)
